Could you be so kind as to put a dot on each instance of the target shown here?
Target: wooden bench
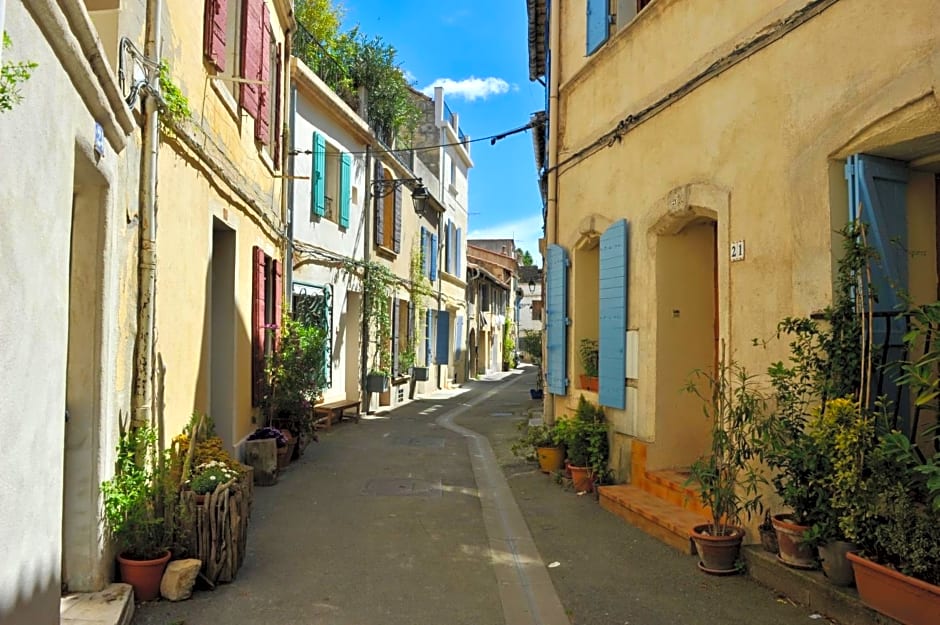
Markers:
(325, 414)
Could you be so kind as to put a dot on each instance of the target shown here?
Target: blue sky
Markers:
(455, 42)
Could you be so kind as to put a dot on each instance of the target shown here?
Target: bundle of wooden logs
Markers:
(218, 532)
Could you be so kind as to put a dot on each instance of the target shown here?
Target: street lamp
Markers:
(419, 192)
(532, 287)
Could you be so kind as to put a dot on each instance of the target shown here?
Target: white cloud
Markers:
(469, 89)
(526, 232)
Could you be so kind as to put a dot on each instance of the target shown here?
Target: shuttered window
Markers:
(318, 176)
(396, 220)
(878, 198)
(251, 40)
(458, 256)
(556, 325)
(442, 353)
(216, 22)
(266, 54)
(433, 272)
(612, 304)
(598, 18)
(345, 189)
(378, 207)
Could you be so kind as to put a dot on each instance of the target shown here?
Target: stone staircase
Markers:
(656, 502)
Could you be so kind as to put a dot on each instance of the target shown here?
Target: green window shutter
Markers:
(345, 187)
(318, 176)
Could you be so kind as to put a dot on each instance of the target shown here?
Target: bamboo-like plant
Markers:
(728, 477)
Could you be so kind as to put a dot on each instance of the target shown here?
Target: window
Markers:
(238, 43)
(265, 316)
(598, 21)
(453, 250)
(387, 213)
(330, 182)
(313, 307)
(536, 310)
(429, 253)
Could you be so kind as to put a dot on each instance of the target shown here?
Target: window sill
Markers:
(228, 100)
(448, 277)
(385, 252)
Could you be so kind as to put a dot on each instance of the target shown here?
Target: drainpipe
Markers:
(551, 216)
(366, 233)
(147, 255)
(288, 157)
(287, 168)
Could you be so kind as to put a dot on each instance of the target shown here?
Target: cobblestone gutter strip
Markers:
(525, 588)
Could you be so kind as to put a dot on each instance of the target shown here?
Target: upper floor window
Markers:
(238, 44)
(330, 182)
(387, 212)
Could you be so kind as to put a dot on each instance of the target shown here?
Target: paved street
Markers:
(406, 519)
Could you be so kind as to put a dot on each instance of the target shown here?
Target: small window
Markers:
(536, 310)
(313, 307)
(233, 37)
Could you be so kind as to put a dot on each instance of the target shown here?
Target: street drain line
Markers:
(526, 590)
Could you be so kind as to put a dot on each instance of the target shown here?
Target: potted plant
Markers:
(378, 381)
(588, 355)
(889, 495)
(586, 442)
(136, 514)
(727, 477)
(210, 475)
(543, 443)
(296, 374)
(827, 361)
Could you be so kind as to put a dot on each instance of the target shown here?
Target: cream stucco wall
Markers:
(758, 147)
(67, 253)
(215, 177)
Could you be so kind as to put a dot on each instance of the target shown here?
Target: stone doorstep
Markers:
(112, 606)
(661, 519)
(810, 589)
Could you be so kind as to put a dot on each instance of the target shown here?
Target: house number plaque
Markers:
(737, 251)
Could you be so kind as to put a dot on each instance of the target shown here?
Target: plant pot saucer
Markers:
(805, 567)
(705, 569)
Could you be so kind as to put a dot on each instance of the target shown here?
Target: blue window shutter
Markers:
(433, 274)
(612, 303)
(878, 198)
(424, 250)
(442, 353)
(344, 190)
(458, 336)
(597, 24)
(318, 179)
(448, 249)
(427, 337)
(556, 319)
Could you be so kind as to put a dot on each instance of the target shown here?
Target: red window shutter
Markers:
(278, 302)
(216, 19)
(262, 125)
(379, 205)
(257, 325)
(277, 109)
(251, 35)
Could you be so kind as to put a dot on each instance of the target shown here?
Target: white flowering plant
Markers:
(209, 475)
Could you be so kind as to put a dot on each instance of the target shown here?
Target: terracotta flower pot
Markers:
(718, 555)
(905, 599)
(551, 459)
(144, 575)
(835, 565)
(589, 383)
(793, 551)
(582, 478)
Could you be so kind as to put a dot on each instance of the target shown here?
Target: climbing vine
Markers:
(176, 105)
(12, 75)
(378, 286)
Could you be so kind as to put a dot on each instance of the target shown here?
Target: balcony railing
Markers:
(324, 65)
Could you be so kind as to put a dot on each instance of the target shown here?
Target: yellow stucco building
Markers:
(699, 158)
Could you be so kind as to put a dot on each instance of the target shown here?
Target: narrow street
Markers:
(406, 519)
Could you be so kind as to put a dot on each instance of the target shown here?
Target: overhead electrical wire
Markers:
(491, 138)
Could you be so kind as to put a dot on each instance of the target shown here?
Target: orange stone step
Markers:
(661, 519)
(668, 484)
